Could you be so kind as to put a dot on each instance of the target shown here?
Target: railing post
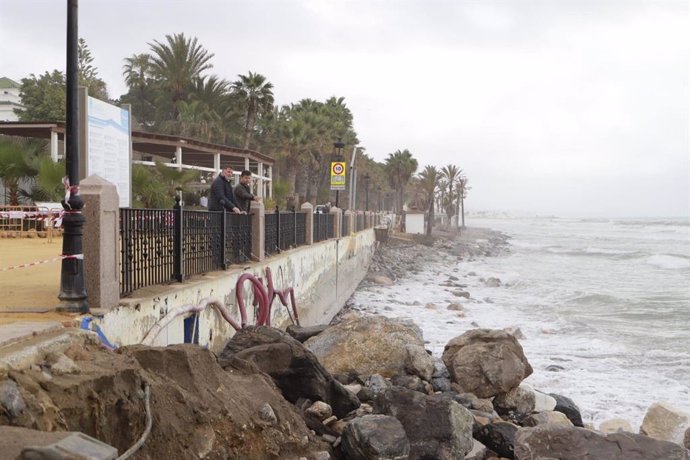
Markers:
(258, 230)
(278, 229)
(224, 240)
(178, 274)
(294, 226)
(308, 223)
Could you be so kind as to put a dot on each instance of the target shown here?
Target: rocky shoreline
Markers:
(364, 387)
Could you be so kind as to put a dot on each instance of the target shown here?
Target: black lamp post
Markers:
(366, 178)
(338, 147)
(378, 199)
(72, 290)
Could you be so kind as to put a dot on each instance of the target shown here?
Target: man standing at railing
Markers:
(243, 191)
(221, 196)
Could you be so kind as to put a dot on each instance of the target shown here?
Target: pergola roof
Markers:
(195, 152)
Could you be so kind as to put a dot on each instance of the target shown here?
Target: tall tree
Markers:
(255, 94)
(175, 64)
(88, 74)
(452, 175)
(400, 166)
(43, 97)
(428, 181)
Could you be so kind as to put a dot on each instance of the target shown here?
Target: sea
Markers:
(603, 304)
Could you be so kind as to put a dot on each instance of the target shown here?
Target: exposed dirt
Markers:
(199, 410)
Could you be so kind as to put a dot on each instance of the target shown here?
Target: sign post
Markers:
(338, 173)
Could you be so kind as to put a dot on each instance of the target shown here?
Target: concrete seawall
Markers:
(323, 276)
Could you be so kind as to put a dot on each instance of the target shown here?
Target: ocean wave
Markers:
(669, 261)
(616, 254)
(680, 222)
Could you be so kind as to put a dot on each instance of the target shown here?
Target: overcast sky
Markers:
(569, 108)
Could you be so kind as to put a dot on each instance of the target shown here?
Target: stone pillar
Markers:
(246, 162)
(258, 230)
(178, 157)
(101, 242)
(309, 222)
(54, 146)
(337, 214)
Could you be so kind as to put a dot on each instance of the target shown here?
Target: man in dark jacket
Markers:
(221, 196)
(243, 192)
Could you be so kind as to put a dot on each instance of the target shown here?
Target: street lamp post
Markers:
(338, 147)
(72, 289)
(366, 178)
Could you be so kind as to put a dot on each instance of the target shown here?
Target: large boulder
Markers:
(546, 417)
(436, 426)
(520, 400)
(293, 368)
(374, 437)
(373, 345)
(486, 362)
(573, 443)
(665, 422)
(498, 437)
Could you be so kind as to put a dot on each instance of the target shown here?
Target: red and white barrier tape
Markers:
(31, 264)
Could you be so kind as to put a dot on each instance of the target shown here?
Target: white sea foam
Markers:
(668, 261)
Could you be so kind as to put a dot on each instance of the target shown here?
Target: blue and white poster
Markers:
(109, 151)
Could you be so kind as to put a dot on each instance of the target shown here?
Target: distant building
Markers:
(9, 99)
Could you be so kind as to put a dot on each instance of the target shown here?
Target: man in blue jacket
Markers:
(221, 196)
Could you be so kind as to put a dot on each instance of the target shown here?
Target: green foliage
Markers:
(254, 94)
(155, 188)
(18, 162)
(48, 185)
(43, 97)
(400, 166)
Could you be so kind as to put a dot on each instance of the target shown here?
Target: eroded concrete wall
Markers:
(323, 275)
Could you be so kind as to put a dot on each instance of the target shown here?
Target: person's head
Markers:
(227, 172)
(246, 177)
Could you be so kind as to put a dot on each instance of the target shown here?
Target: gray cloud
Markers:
(558, 107)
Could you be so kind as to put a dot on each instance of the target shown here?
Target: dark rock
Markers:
(377, 384)
(365, 394)
(294, 369)
(569, 408)
(486, 362)
(374, 437)
(302, 333)
(440, 369)
(441, 384)
(436, 426)
(411, 382)
(498, 437)
(572, 443)
(554, 368)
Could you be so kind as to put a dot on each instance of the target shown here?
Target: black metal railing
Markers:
(271, 233)
(344, 228)
(158, 246)
(147, 247)
(201, 242)
(323, 226)
(360, 222)
(238, 238)
(301, 228)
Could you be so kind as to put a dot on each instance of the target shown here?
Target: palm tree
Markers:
(452, 175)
(18, 163)
(176, 63)
(462, 192)
(255, 94)
(428, 181)
(400, 167)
